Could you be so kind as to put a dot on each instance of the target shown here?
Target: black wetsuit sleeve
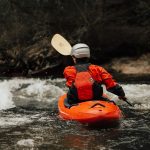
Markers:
(117, 90)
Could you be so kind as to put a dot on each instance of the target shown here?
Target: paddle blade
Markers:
(61, 44)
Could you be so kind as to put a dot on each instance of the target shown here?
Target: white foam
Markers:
(142, 106)
(49, 90)
(137, 94)
(42, 91)
(137, 90)
(29, 143)
(5, 96)
(13, 121)
(37, 89)
(6, 91)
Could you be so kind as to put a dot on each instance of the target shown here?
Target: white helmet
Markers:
(80, 50)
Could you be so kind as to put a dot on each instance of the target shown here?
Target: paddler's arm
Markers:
(111, 85)
(118, 90)
(69, 74)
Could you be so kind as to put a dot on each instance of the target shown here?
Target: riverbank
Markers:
(119, 29)
(135, 65)
(131, 69)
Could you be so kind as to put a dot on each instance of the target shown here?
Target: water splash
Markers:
(5, 122)
(137, 94)
(26, 143)
(19, 91)
(5, 96)
(29, 91)
(43, 91)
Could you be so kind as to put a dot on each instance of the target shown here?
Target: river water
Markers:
(29, 119)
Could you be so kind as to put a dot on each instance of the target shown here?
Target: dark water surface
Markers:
(29, 119)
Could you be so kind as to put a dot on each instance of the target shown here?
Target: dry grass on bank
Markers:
(137, 65)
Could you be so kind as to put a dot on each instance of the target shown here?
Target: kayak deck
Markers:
(90, 111)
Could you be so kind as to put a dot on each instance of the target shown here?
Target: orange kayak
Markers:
(90, 111)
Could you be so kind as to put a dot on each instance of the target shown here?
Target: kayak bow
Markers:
(91, 112)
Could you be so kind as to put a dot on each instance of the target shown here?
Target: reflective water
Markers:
(29, 119)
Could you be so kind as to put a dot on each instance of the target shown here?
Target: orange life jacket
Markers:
(98, 73)
(84, 82)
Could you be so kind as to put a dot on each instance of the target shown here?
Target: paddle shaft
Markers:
(128, 102)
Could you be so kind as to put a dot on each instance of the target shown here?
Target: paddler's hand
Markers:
(122, 98)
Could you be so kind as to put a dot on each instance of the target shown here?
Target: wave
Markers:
(44, 93)
(26, 92)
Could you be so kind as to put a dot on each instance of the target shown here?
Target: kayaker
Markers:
(85, 79)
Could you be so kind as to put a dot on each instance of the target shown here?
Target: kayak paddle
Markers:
(61, 44)
(128, 102)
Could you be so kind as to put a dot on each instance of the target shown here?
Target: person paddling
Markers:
(85, 79)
